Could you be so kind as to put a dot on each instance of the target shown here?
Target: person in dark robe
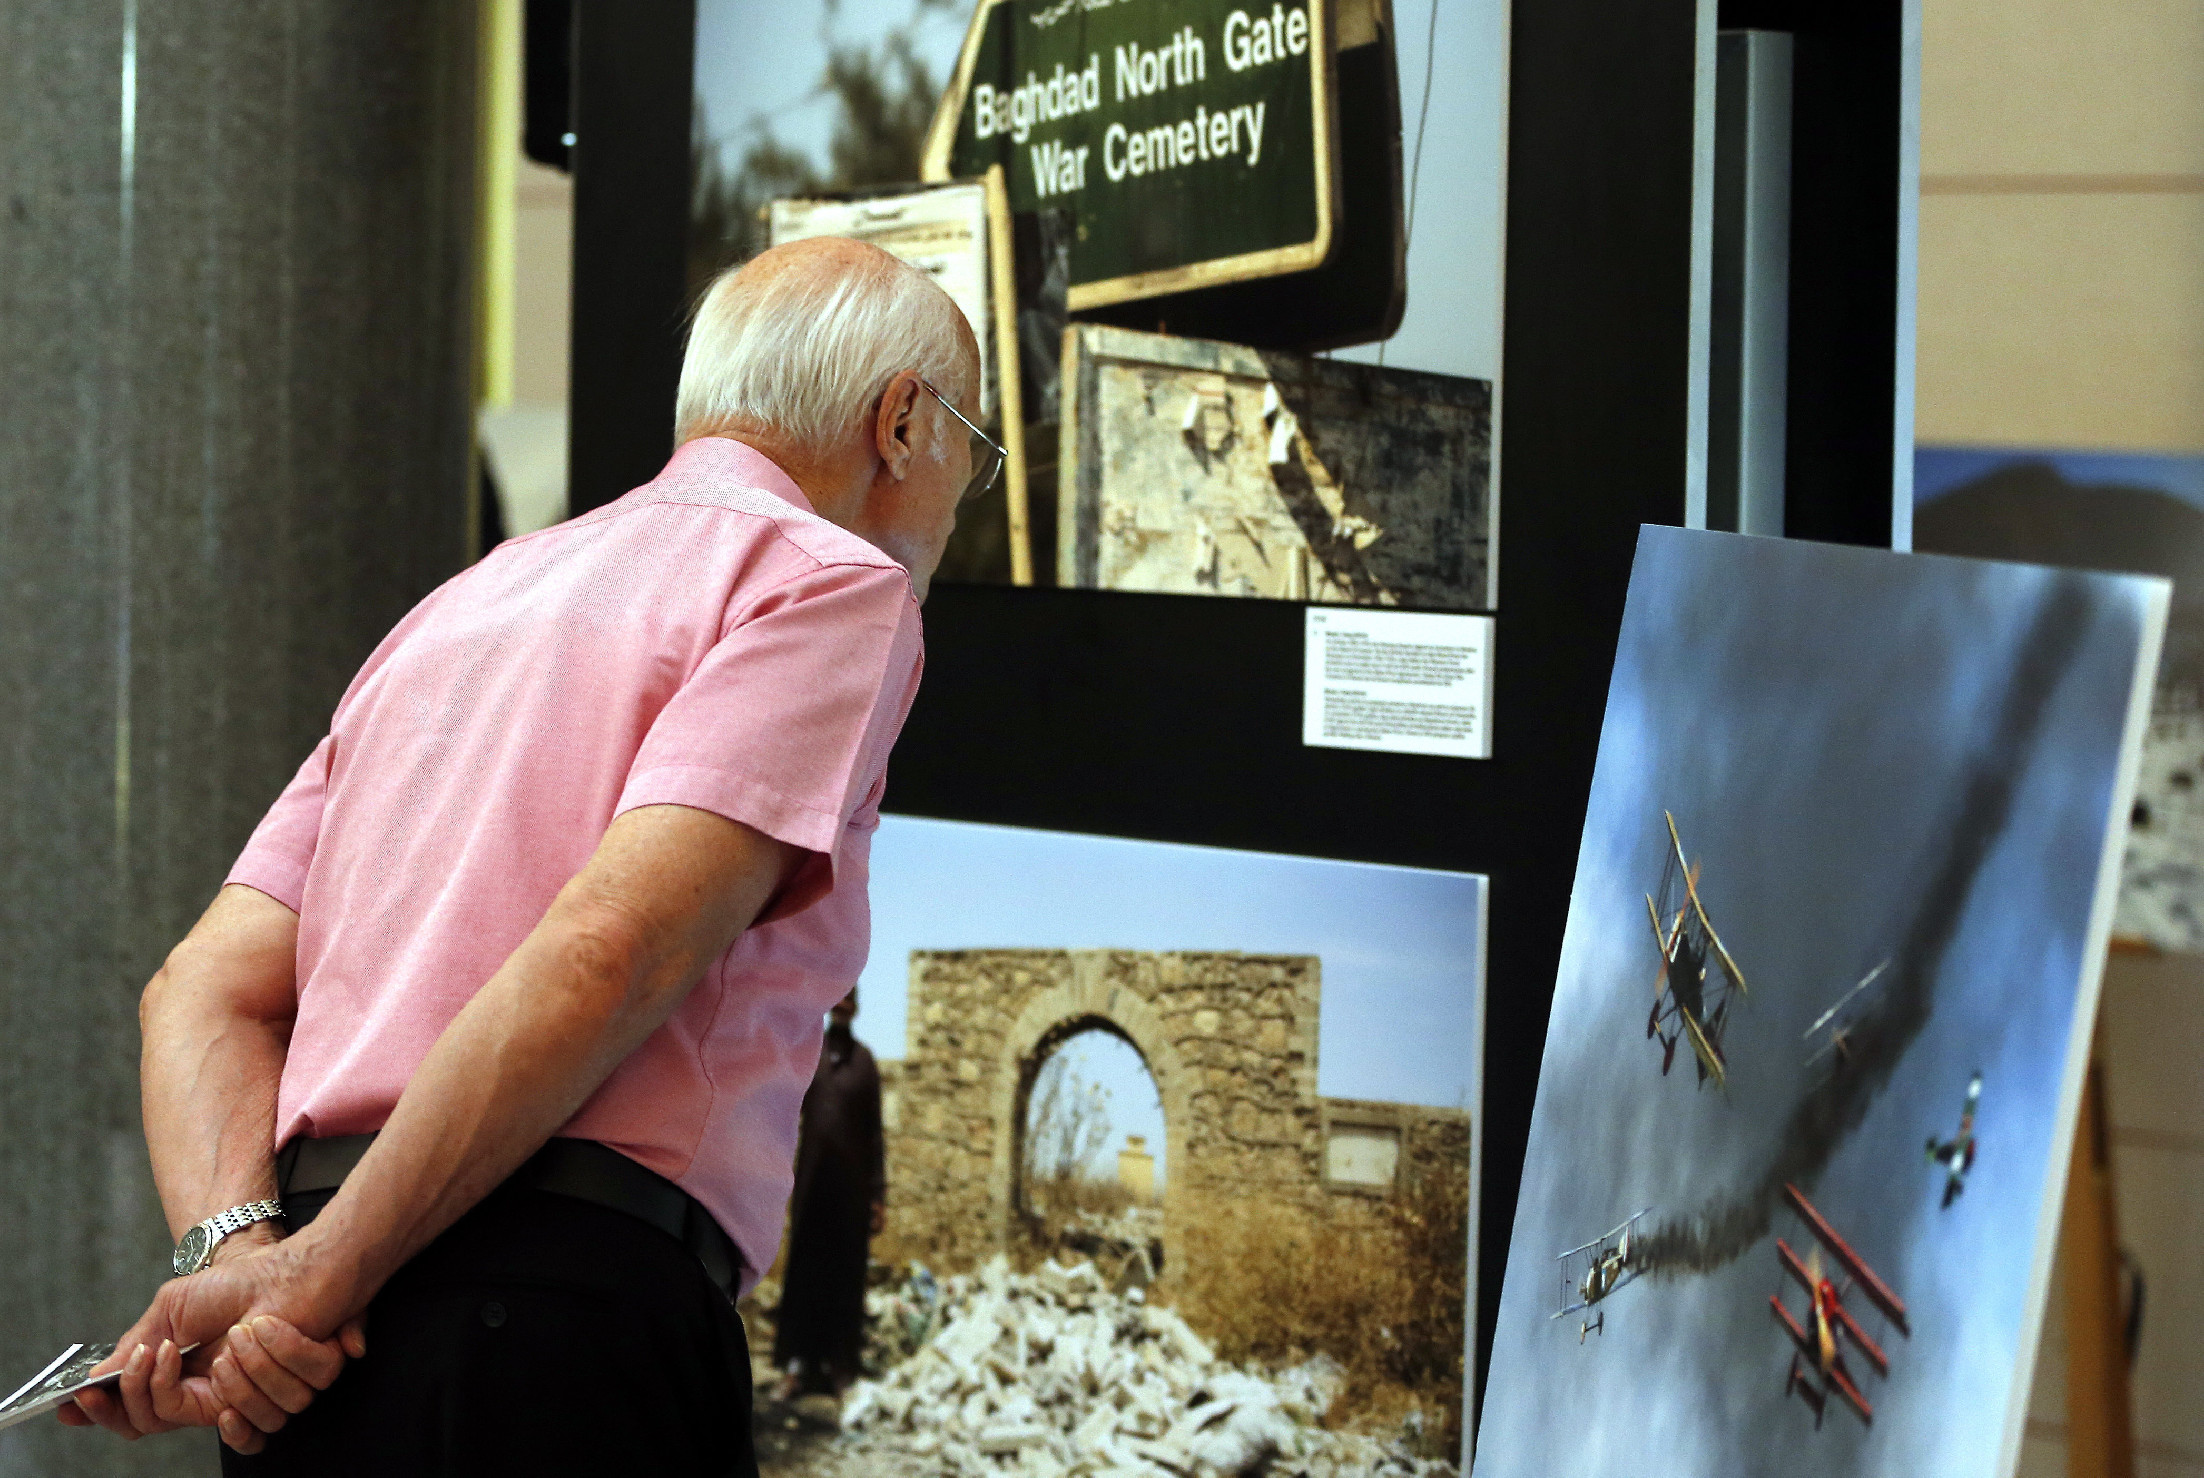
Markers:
(836, 1209)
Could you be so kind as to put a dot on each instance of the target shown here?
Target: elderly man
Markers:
(513, 997)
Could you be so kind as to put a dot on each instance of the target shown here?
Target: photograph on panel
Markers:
(811, 120)
(1199, 468)
(1814, 1061)
(2107, 511)
(1133, 1157)
(1055, 165)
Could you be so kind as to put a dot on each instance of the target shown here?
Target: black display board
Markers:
(634, 66)
(1178, 718)
(1848, 225)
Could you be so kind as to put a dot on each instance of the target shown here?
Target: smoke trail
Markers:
(1721, 1232)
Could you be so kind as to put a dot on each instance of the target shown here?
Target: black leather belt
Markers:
(580, 1168)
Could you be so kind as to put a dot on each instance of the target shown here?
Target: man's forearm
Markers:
(215, 1024)
(513, 1066)
(209, 1086)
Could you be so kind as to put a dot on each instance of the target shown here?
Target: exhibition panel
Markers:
(1183, 443)
(2107, 512)
(1824, 1005)
(1360, 986)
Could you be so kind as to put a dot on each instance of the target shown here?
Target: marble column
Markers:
(234, 427)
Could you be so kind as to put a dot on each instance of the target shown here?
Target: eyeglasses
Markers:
(987, 453)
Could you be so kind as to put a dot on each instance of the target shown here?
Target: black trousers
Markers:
(540, 1335)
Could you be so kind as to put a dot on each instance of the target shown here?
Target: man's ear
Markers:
(896, 424)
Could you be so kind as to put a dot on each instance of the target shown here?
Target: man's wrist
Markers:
(326, 1274)
(245, 1241)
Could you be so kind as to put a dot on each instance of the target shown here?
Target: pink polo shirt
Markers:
(707, 640)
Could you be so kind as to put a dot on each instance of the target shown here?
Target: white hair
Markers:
(806, 349)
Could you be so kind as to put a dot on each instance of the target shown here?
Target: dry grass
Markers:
(1378, 1286)
(1065, 1196)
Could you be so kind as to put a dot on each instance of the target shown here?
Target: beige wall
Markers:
(525, 438)
(2062, 224)
(543, 252)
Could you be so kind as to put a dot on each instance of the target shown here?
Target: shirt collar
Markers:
(711, 464)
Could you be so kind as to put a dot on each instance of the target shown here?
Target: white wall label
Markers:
(1408, 682)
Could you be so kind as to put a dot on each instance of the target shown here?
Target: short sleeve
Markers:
(282, 847)
(787, 722)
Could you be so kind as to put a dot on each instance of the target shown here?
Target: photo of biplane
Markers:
(1840, 1020)
(1691, 993)
(1817, 760)
(1605, 1265)
(1956, 1154)
(1829, 1326)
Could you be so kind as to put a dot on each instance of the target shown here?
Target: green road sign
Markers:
(1191, 140)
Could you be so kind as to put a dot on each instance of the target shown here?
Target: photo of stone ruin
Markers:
(1189, 467)
(1289, 1299)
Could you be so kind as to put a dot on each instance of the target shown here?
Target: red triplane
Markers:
(1820, 1349)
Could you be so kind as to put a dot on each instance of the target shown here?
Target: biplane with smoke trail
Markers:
(1691, 993)
(1956, 1154)
(1841, 1020)
(1829, 1327)
(1593, 1271)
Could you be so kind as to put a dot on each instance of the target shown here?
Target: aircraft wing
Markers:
(1878, 1292)
(1691, 900)
(1860, 1341)
(1851, 1393)
(1660, 936)
(1797, 1333)
(1721, 951)
(1676, 843)
(1599, 1242)
(1824, 1019)
(1791, 1265)
(1845, 1321)
(1838, 1380)
(1709, 1059)
(1664, 940)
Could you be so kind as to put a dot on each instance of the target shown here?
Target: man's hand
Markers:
(668, 889)
(257, 1365)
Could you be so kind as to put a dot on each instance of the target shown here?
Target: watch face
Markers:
(191, 1253)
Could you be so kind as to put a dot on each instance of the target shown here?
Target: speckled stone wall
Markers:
(1230, 1038)
(234, 315)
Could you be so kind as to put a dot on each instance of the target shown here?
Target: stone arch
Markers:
(1087, 1000)
(1027, 1069)
(1230, 1039)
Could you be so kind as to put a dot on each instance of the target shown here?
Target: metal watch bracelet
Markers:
(196, 1249)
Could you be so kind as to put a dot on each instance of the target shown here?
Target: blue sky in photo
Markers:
(1400, 947)
(759, 64)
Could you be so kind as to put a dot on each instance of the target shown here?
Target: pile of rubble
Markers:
(1052, 1375)
(1125, 1246)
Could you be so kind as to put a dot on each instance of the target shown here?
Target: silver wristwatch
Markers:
(197, 1248)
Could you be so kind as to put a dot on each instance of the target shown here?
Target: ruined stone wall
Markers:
(1230, 1038)
(1434, 1142)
